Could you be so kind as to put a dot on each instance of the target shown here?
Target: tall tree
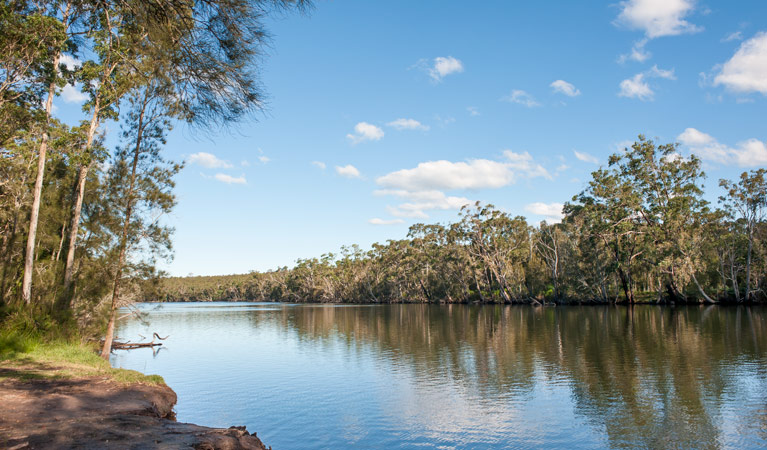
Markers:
(672, 209)
(34, 39)
(105, 79)
(550, 244)
(41, 156)
(501, 243)
(207, 49)
(746, 205)
(140, 184)
(609, 211)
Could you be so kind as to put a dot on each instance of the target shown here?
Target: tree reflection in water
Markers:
(382, 376)
(653, 377)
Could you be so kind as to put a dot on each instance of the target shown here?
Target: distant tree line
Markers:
(81, 223)
(640, 231)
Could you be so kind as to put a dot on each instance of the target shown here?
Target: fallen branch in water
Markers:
(117, 345)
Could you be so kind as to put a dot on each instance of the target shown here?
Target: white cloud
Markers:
(422, 201)
(638, 87)
(693, 137)
(523, 162)
(427, 196)
(245, 163)
(746, 71)
(551, 211)
(228, 179)
(735, 36)
(408, 124)
(70, 62)
(658, 18)
(638, 52)
(377, 221)
(422, 187)
(585, 157)
(431, 175)
(473, 111)
(319, 164)
(661, 73)
(264, 159)
(444, 66)
(208, 160)
(364, 131)
(474, 174)
(748, 153)
(563, 87)
(521, 97)
(71, 94)
(348, 171)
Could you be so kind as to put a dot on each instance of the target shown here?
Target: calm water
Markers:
(479, 377)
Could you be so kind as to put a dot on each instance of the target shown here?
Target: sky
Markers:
(385, 114)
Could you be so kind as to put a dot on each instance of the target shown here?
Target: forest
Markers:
(82, 220)
(641, 232)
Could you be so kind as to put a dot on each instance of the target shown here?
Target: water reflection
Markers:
(456, 376)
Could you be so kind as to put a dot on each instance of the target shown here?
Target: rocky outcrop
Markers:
(96, 413)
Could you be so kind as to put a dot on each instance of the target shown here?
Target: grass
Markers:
(26, 357)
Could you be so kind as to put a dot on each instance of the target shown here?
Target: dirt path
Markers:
(97, 413)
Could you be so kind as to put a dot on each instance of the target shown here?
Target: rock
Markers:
(94, 413)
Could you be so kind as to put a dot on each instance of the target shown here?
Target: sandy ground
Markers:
(97, 413)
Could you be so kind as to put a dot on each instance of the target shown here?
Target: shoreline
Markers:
(53, 405)
(476, 303)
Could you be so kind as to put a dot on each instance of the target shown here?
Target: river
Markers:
(460, 376)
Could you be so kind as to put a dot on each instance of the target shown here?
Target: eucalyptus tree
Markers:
(427, 245)
(105, 80)
(608, 210)
(746, 206)
(208, 49)
(33, 37)
(17, 168)
(591, 269)
(501, 244)
(672, 209)
(140, 185)
(551, 246)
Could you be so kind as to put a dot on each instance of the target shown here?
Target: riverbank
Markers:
(65, 396)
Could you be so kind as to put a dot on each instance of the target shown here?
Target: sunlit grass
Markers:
(26, 357)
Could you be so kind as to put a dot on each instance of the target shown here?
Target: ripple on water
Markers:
(410, 376)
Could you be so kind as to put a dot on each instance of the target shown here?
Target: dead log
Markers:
(117, 345)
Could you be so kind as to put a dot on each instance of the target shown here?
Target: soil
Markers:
(97, 413)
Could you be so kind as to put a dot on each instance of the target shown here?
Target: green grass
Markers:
(25, 357)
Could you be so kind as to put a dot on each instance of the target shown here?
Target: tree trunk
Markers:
(26, 286)
(61, 241)
(748, 262)
(626, 283)
(702, 292)
(82, 176)
(734, 276)
(106, 350)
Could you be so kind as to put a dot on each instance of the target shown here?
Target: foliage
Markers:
(639, 232)
(94, 215)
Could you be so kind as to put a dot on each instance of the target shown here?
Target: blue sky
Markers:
(385, 114)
